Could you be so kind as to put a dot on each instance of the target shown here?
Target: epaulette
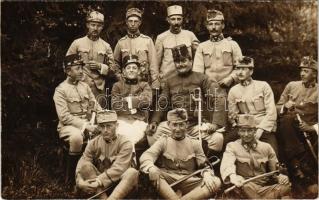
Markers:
(144, 36)
(123, 38)
(229, 38)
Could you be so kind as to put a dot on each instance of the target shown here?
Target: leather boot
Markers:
(72, 163)
(200, 192)
(166, 191)
(128, 182)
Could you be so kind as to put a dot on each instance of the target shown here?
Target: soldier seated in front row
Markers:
(131, 99)
(248, 157)
(106, 161)
(178, 92)
(179, 156)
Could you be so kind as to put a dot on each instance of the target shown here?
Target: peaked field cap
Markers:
(134, 12)
(177, 115)
(95, 16)
(106, 116)
(71, 60)
(244, 61)
(131, 58)
(309, 62)
(214, 15)
(246, 121)
(174, 10)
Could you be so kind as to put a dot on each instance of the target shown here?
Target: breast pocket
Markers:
(262, 163)
(74, 104)
(227, 57)
(84, 53)
(258, 102)
(207, 56)
(101, 57)
(125, 52)
(243, 167)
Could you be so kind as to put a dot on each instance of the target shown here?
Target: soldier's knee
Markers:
(216, 142)
(131, 174)
(285, 189)
(87, 171)
(76, 142)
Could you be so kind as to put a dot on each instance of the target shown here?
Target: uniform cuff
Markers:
(316, 128)
(104, 69)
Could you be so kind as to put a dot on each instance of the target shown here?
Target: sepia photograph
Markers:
(210, 99)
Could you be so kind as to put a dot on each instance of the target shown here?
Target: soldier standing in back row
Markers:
(136, 43)
(216, 56)
(173, 37)
(99, 70)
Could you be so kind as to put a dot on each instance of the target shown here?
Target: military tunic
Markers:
(306, 105)
(216, 59)
(72, 103)
(108, 161)
(100, 52)
(132, 125)
(144, 48)
(248, 162)
(165, 42)
(177, 159)
(177, 93)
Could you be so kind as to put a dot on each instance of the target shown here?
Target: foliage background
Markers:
(36, 35)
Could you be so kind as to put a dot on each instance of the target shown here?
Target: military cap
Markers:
(95, 16)
(71, 60)
(177, 115)
(106, 116)
(180, 52)
(214, 15)
(309, 62)
(131, 58)
(246, 121)
(174, 10)
(244, 61)
(134, 12)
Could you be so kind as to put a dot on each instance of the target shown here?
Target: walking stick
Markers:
(307, 140)
(195, 173)
(252, 179)
(199, 100)
(98, 194)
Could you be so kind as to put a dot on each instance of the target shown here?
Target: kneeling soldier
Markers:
(180, 156)
(248, 157)
(107, 160)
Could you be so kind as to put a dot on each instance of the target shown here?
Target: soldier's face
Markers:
(131, 71)
(75, 72)
(133, 23)
(175, 22)
(243, 73)
(308, 75)
(215, 28)
(94, 29)
(108, 130)
(183, 66)
(178, 128)
(247, 135)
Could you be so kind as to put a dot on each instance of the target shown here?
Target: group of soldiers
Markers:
(188, 100)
